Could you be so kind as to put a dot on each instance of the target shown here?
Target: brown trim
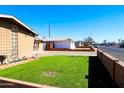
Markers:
(66, 49)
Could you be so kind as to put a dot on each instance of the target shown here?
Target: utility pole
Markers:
(49, 30)
(91, 34)
(91, 38)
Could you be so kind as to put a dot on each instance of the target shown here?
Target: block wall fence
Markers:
(114, 66)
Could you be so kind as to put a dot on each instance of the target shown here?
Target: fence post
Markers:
(102, 56)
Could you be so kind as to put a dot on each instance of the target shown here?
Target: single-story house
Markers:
(58, 44)
(16, 39)
(79, 44)
(38, 44)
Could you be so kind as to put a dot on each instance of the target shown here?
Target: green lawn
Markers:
(68, 71)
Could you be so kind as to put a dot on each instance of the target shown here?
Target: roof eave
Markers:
(14, 18)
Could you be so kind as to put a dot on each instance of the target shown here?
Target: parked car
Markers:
(96, 46)
(122, 45)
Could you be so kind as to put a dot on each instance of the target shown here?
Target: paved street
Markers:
(116, 52)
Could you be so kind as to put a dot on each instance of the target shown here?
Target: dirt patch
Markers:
(49, 74)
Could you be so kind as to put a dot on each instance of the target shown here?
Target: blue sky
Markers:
(77, 22)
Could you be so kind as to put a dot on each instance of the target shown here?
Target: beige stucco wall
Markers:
(40, 46)
(5, 40)
(25, 40)
(25, 44)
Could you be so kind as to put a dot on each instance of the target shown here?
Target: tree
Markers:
(104, 41)
(119, 41)
(88, 41)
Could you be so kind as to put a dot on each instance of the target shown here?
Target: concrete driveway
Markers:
(71, 53)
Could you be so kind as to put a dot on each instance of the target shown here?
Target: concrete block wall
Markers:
(114, 66)
(108, 63)
(119, 73)
(99, 55)
(12, 83)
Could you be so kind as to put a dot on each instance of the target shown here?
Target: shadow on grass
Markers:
(98, 76)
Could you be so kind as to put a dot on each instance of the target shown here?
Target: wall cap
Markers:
(25, 83)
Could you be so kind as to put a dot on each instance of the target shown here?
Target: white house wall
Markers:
(72, 45)
(44, 46)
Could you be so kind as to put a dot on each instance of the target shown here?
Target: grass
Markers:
(70, 71)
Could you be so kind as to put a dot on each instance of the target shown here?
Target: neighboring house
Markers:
(57, 44)
(79, 44)
(38, 44)
(16, 39)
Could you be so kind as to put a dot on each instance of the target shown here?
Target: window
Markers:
(36, 45)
